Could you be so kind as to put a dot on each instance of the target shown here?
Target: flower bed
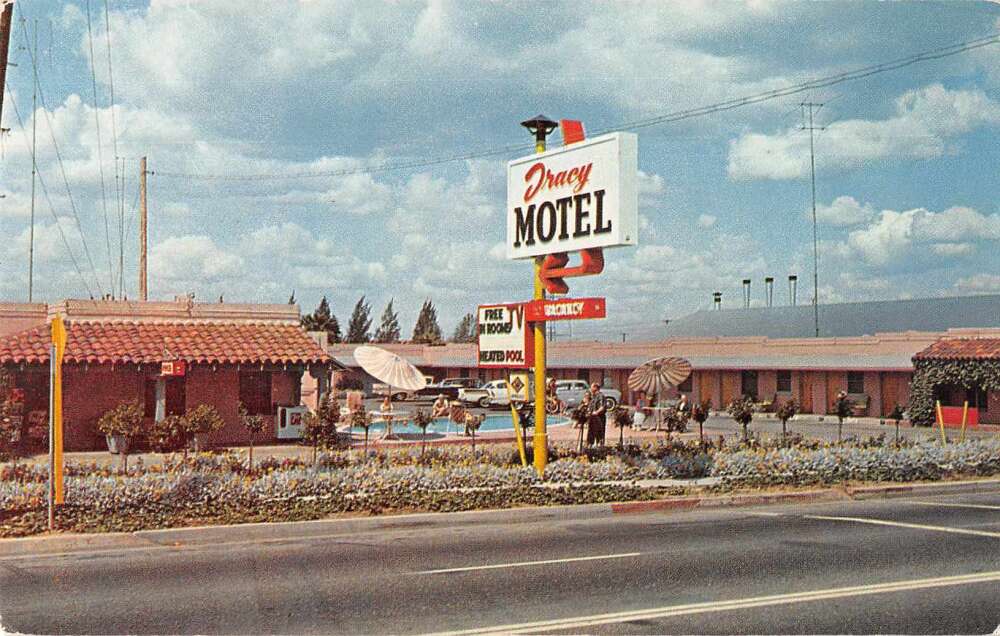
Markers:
(219, 488)
(837, 464)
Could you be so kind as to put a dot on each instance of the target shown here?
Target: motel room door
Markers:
(806, 393)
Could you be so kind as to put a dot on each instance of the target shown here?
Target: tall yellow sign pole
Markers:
(540, 127)
(56, 352)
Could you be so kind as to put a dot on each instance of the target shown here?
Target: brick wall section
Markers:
(90, 392)
(218, 388)
(992, 415)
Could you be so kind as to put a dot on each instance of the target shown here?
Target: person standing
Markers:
(595, 418)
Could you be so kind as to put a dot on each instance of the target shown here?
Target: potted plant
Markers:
(120, 426)
(699, 413)
(169, 434)
(742, 411)
(785, 412)
(201, 420)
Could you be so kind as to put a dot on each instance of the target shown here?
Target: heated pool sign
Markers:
(505, 341)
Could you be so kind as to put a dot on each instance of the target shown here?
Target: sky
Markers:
(262, 123)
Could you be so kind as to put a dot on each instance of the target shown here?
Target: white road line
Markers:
(914, 526)
(580, 622)
(955, 505)
(766, 514)
(523, 564)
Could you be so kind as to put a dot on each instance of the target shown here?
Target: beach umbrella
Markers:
(658, 375)
(390, 368)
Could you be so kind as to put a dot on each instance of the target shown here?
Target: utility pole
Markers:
(34, 169)
(812, 165)
(143, 295)
(5, 18)
(121, 231)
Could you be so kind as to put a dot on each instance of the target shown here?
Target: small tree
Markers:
(10, 431)
(201, 420)
(426, 330)
(579, 415)
(253, 424)
(320, 428)
(699, 413)
(123, 423)
(388, 330)
(466, 329)
(359, 328)
(322, 320)
(622, 416)
(472, 424)
(897, 415)
(742, 411)
(422, 419)
(842, 407)
(362, 419)
(168, 434)
(785, 412)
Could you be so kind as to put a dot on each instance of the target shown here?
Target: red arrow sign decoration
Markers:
(554, 269)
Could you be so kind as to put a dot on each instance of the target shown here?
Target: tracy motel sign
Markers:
(575, 197)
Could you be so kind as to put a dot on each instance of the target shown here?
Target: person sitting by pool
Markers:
(440, 406)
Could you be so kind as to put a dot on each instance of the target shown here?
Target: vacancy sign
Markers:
(566, 309)
(505, 340)
(576, 197)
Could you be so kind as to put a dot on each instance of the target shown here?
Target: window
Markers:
(784, 381)
(583, 374)
(255, 392)
(748, 383)
(687, 385)
(855, 382)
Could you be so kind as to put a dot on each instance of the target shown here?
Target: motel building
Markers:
(867, 349)
(221, 354)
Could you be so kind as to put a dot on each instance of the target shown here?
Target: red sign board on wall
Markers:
(566, 309)
(173, 368)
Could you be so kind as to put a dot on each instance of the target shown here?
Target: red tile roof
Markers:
(962, 349)
(151, 343)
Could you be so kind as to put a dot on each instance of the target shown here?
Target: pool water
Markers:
(443, 425)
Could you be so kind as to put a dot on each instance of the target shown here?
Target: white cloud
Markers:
(844, 211)
(953, 249)
(706, 220)
(979, 283)
(192, 262)
(925, 121)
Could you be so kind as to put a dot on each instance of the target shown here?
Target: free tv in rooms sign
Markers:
(576, 197)
(505, 340)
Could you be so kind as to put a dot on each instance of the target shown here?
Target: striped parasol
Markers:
(656, 376)
(390, 368)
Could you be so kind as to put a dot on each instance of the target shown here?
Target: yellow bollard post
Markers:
(940, 419)
(965, 416)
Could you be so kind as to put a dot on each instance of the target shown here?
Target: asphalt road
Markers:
(884, 566)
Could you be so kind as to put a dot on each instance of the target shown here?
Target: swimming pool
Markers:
(442, 425)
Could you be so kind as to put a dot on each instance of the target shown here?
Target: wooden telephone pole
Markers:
(5, 18)
(143, 292)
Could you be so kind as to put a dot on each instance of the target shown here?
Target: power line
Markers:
(812, 164)
(100, 151)
(62, 167)
(114, 137)
(830, 80)
(52, 210)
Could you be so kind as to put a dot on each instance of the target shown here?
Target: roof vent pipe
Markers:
(792, 284)
(769, 290)
(746, 293)
(717, 299)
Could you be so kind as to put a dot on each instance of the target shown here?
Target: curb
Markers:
(167, 538)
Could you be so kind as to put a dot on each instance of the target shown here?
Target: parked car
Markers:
(571, 392)
(495, 393)
(398, 395)
(449, 387)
